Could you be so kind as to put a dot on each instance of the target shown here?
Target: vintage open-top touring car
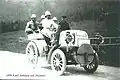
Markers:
(73, 48)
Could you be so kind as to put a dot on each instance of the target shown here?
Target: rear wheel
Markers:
(58, 62)
(32, 52)
(92, 67)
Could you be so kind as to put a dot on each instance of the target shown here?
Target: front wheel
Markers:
(92, 67)
(32, 53)
(58, 62)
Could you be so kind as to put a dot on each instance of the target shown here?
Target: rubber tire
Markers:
(62, 55)
(96, 63)
(36, 51)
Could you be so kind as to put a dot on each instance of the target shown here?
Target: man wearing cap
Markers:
(64, 25)
(32, 25)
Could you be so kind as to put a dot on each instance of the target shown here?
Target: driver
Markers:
(32, 25)
(48, 27)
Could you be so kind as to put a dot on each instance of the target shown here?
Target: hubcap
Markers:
(57, 62)
(91, 66)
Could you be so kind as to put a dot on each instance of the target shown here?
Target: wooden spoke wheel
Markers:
(58, 62)
(32, 52)
(92, 67)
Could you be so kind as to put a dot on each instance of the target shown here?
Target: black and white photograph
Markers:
(60, 39)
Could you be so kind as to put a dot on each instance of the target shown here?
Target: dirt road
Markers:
(15, 65)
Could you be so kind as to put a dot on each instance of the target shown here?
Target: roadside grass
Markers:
(10, 42)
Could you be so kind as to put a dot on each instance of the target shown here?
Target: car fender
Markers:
(50, 53)
(41, 45)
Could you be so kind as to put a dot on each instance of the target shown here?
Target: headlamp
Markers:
(69, 38)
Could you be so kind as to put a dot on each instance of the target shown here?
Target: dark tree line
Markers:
(8, 26)
(106, 11)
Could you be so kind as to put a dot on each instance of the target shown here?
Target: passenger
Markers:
(42, 17)
(56, 23)
(48, 25)
(54, 36)
(55, 19)
(32, 25)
